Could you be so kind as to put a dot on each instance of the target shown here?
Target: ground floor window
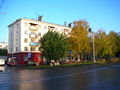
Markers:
(25, 49)
(25, 58)
(33, 48)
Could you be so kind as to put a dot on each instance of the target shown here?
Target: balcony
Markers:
(34, 44)
(35, 28)
(51, 28)
(32, 35)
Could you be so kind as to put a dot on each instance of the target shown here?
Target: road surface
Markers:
(86, 77)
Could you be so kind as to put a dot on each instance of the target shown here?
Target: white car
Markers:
(2, 61)
(2, 69)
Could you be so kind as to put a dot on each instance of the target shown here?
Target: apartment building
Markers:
(3, 45)
(24, 35)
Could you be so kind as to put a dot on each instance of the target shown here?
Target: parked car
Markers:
(11, 61)
(2, 61)
(2, 68)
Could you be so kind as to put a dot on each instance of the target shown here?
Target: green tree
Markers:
(3, 52)
(79, 41)
(54, 45)
(101, 44)
(118, 45)
(107, 46)
(113, 43)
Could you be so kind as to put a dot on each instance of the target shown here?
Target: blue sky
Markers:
(99, 13)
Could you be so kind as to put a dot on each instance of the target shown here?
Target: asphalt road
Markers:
(86, 77)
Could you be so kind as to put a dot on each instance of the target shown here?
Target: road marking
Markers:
(37, 80)
(100, 69)
(95, 70)
(55, 77)
(115, 66)
(60, 76)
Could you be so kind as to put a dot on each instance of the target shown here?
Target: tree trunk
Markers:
(78, 56)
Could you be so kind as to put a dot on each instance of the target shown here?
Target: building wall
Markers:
(10, 39)
(24, 35)
(3, 45)
(24, 32)
(14, 43)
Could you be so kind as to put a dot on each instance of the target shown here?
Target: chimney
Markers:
(40, 18)
(70, 25)
(65, 23)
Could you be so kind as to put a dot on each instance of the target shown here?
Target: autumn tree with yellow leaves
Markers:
(101, 44)
(107, 46)
(79, 40)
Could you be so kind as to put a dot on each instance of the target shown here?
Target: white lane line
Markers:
(58, 77)
(55, 77)
(95, 70)
(37, 80)
(100, 69)
(115, 66)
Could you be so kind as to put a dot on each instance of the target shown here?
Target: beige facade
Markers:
(24, 34)
(3, 45)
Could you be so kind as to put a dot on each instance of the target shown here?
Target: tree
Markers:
(54, 45)
(79, 41)
(113, 43)
(107, 46)
(101, 44)
(117, 54)
(3, 52)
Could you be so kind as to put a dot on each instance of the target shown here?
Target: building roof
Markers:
(3, 42)
(36, 21)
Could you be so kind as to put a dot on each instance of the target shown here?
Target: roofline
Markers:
(36, 21)
(3, 42)
(14, 22)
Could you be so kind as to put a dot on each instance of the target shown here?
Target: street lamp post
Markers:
(93, 40)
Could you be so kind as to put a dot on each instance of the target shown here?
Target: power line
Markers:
(2, 2)
(3, 13)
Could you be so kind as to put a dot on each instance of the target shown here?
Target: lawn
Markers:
(68, 65)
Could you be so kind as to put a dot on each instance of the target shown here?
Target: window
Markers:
(39, 26)
(39, 58)
(16, 32)
(32, 48)
(26, 32)
(66, 31)
(45, 27)
(32, 40)
(39, 34)
(39, 49)
(32, 35)
(17, 25)
(26, 24)
(16, 49)
(25, 58)
(16, 39)
(25, 49)
(25, 40)
(11, 49)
